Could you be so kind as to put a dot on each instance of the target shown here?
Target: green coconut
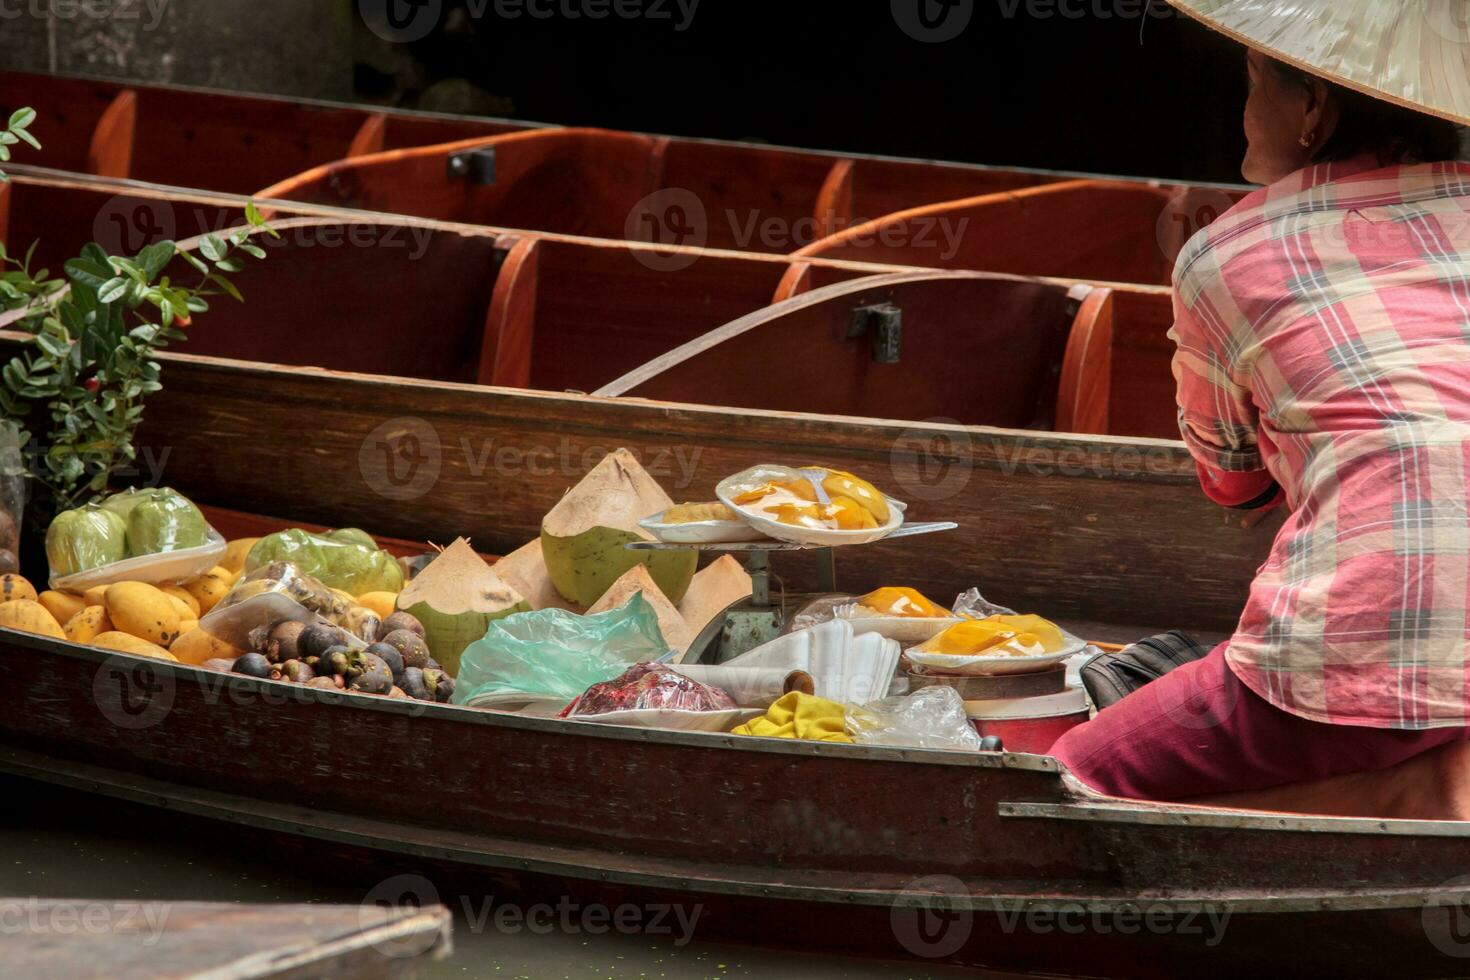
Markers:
(637, 580)
(583, 537)
(456, 597)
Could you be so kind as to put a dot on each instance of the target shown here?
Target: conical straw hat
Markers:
(1412, 52)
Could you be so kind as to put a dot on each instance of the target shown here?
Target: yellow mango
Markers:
(184, 596)
(210, 587)
(235, 554)
(95, 596)
(185, 625)
(384, 604)
(127, 643)
(29, 616)
(869, 497)
(13, 587)
(902, 602)
(144, 611)
(62, 605)
(88, 624)
(196, 646)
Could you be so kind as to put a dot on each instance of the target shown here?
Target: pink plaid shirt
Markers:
(1323, 332)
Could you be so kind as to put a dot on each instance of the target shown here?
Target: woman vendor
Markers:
(1323, 366)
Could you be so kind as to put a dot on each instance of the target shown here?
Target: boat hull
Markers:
(985, 860)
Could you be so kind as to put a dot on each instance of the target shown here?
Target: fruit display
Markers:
(582, 537)
(346, 559)
(456, 598)
(814, 497)
(675, 630)
(131, 524)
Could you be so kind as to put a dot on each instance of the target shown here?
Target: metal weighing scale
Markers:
(757, 620)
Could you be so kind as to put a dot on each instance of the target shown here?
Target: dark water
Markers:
(57, 843)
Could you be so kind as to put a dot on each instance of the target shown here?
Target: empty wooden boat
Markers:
(222, 141)
(623, 185)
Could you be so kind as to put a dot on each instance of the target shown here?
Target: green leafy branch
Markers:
(80, 389)
(17, 131)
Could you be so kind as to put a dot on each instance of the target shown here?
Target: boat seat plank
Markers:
(834, 200)
(111, 152)
(510, 328)
(1084, 391)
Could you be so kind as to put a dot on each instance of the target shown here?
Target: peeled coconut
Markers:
(582, 538)
(525, 571)
(456, 597)
(636, 579)
(717, 586)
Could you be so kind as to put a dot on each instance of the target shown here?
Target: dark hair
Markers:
(1370, 125)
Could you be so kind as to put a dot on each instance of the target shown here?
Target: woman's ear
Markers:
(1320, 120)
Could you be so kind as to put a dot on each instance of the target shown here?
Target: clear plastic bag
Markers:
(821, 609)
(161, 521)
(555, 655)
(12, 496)
(85, 538)
(272, 594)
(339, 559)
(973, 605)
(933, 718)
(648, 687)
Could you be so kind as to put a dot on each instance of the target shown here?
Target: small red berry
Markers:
(182, 321)
(92, 384)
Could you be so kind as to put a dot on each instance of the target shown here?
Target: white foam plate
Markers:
(906, 630)
(766, 472)
(993, 665)
(166, 566)
(670, 718)
(700, 532)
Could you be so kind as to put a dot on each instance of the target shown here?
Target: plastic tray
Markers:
(166, 566)
(992, 665)
(766, 472)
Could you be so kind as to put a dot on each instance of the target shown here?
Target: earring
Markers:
(1306, 140)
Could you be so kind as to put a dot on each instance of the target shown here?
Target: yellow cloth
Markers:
(802, 716)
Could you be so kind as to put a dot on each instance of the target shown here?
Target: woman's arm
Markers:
(1217, 417)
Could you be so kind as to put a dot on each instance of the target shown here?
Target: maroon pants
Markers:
(1198, 731)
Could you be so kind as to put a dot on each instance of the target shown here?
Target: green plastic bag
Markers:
(349, 565)
(556, 654)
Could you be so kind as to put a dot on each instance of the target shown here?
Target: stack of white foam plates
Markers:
(845, 667)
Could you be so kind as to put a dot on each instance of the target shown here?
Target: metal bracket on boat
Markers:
(883, 324)
(476, 166)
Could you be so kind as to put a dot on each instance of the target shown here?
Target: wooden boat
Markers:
(221, 141)
(145, 940)
(543, 311)
(988, 859)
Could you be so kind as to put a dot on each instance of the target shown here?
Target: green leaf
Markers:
(253, 215)
(112, 290)
(189, 258)
(35, 143)
(227, 286)
(213, 248)
(230, 265)
(21, 118)
(253, 250)
(155, 258)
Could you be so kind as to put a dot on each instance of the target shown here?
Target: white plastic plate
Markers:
(907, 630)
(166, 566)
(993, 665)
(699, 532)
(676, 720)
(766, 472)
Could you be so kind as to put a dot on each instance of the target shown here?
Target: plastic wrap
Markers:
(272, 594)
(556, 655)
(648, 687)
(972, 605)
(12, 496)
(162, 521)
(339, 560)
(821, 609)
(933, 718)
(85, 538)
